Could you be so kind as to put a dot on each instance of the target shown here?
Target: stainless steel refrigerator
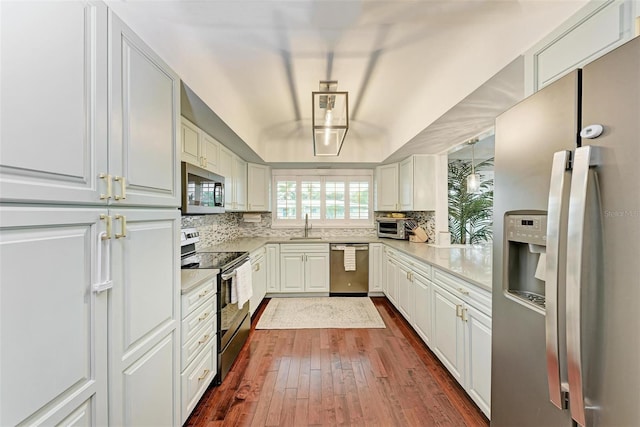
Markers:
(566, 268)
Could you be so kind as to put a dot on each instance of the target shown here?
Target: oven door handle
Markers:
(227, 276)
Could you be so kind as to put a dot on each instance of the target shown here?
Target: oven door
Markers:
(234, 326)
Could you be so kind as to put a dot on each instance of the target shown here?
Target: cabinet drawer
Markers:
(467, 292)
(197, 296)
(202, 338)
(257, 253)
(308, 247)
(201, 315)
(196, 378)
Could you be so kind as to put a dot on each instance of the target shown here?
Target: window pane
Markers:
(359, 200)
(334, 200)
(310, 199)
(286, 200)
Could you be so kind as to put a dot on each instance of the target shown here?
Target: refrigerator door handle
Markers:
(561, 163)
(584, 158)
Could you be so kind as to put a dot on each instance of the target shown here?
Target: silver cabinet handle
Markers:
(555, 212)
(578, 211)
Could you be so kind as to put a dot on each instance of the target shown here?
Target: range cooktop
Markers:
(220, 260)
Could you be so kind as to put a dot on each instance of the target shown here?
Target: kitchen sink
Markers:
(305, 238)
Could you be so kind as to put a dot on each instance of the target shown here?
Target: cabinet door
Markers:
(422, 310)
(478, 358)
(375, 267)
(448, 332)
(406, 184)
(145, 125)
(273, 267)
(210, 153)
(226, 169)
(392, 280)
(387, 187)
(258, 184)
(316, 272)
(190, 143)
(53, 137)
(144, 318)
(405, 291)
(292, 272)
(240, 184)
(54, 327)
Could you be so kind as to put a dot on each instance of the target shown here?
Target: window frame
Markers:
(339, 175)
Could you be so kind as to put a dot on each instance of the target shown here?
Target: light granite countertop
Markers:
(190, 278)
(470, 263)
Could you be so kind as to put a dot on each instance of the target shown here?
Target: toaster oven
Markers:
(392, 228)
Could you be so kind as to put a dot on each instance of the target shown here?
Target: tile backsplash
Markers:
(220, 228)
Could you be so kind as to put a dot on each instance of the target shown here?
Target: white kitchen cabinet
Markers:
(144, 325)
(387, 188)
(391, 277)
(54, 326)
(375, 267)
(198, 147)
(190, 143)
(304, 268)
(258, 278)
(258, 188)
(448, 332)
(417, 190)
(144, 123)
(53, 142)
(423, 307)
(199, 344)
(405, 286)
(478, 357)
(234, 170)
(273, 267)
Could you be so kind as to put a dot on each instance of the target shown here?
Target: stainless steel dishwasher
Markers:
(349, 283)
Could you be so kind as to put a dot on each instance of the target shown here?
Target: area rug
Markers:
(320, 312)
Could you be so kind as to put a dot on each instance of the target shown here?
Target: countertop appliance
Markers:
(349, 282)
(202, 191)
(234, 322)
(393, 228)
(568, 155)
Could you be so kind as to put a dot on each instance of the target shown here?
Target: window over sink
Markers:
(337, 198)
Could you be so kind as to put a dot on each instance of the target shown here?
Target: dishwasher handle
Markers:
(338, 247)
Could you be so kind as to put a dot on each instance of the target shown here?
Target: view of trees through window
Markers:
(324, 198)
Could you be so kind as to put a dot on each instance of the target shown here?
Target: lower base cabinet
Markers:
(451, 316)
(304, 268)
(258, 279)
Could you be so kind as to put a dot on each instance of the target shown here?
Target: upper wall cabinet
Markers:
(57, 143)
(417, 183)
(387, 187)
(234, 170)
(199, 148)
(258, 185)
(53, 142)
(596, 29)
(144, 128)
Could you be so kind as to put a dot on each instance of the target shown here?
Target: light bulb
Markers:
(328, 117)
(327, 136)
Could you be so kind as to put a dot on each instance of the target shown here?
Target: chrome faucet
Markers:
(307, 227)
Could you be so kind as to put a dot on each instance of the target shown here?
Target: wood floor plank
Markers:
(326, 377)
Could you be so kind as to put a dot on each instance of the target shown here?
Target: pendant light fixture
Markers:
(473, 180)
(330, 119)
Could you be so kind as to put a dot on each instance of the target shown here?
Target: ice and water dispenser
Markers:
(525, 236)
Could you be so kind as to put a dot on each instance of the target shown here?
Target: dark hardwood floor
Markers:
(377, 377)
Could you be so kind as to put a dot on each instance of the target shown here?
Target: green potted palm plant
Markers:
(470, 214)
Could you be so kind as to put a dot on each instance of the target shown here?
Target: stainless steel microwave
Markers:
(392, 228)
(202, 191)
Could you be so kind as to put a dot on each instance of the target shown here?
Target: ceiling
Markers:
(422, 76)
